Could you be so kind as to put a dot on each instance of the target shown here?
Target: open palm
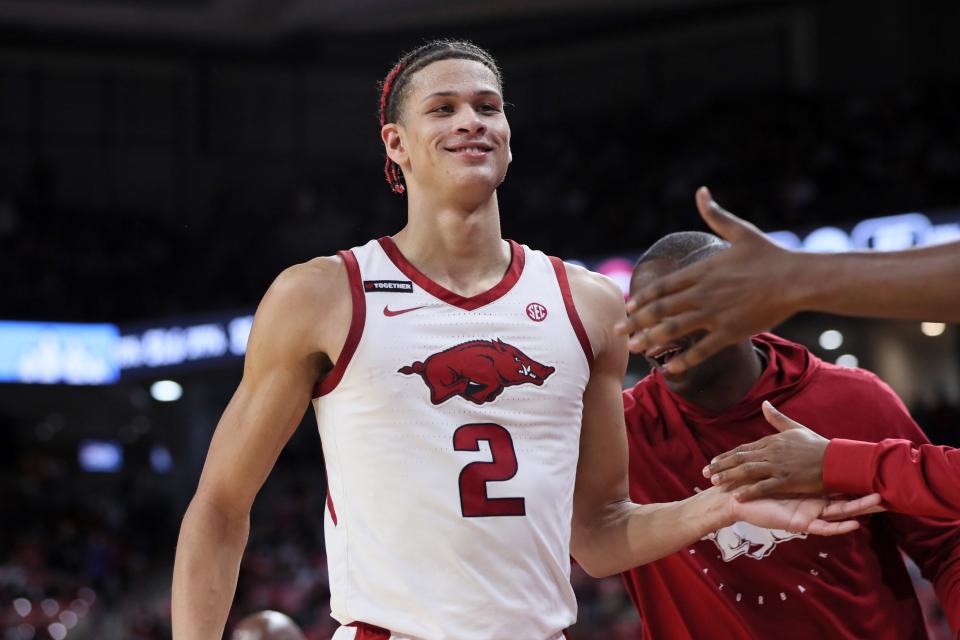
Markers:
(806, 515)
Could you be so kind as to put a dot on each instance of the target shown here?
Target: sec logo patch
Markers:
(536, 312)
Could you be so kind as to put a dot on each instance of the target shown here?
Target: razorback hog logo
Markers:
(745, 539)
(478, 370)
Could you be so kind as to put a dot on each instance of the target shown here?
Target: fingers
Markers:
(706, 347)
(853, 508)
(735, 457)
(655, 313)
(779, 421)
(823, 528)
(721, 221)
(661, 288)
(744, 473)
(771, 486)
(669, 329)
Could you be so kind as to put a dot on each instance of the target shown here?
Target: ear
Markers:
(392, 136)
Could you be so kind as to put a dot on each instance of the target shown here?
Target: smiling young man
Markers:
(450, 371)
(742, 581)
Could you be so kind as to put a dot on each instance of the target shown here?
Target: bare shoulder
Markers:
(596, 292)
(310, 282)
(307, 306)
(599, 301)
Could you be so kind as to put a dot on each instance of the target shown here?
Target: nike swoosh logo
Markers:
(387, 312)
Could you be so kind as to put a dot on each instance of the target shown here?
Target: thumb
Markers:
(722, 222)
(779, 421)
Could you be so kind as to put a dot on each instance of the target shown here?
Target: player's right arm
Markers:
(306, 309)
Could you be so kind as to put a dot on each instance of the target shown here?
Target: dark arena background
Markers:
(162, 160)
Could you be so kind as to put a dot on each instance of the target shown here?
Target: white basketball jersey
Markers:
(450, 430)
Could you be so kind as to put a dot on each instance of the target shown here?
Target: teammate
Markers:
(743, 581)
(267, 625)
(450, 371)
(756, 285)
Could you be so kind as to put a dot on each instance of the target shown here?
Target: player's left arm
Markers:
(934, 544)
(606, 536)
(610, 533)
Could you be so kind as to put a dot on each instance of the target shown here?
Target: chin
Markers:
(478, 186)
(679, 384)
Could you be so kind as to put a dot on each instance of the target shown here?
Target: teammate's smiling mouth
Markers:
(664, 354)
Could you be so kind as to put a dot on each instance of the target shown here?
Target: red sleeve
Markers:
(922, 480)
(934, 544)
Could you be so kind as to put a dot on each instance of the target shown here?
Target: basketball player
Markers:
(744, 582)
(756, 285)
(267, 625)
(450, 371)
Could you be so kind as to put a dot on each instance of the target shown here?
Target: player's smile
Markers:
(471, 150)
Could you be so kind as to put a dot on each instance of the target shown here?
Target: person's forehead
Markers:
(651, 270)
(454, 75)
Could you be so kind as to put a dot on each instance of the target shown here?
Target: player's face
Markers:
(453, 132)
(693, 379)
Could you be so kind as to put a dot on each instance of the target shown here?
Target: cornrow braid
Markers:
(393, 88)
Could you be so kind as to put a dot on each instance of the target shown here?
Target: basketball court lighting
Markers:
(831, 339)
(848, 360)
(932, 329)
(166, 391)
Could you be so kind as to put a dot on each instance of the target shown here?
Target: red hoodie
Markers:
(924, 480)
(746, 582)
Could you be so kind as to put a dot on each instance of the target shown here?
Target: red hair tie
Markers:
(390, 168)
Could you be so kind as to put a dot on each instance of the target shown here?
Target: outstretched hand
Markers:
(732, 295)
(789, 462)
(818, 516)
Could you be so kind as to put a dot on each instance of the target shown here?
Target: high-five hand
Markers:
(806, 515)
(734, 294)
(789, 462)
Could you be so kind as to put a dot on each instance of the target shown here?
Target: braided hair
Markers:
(394, 87)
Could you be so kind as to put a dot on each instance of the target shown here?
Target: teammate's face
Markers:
(453, 134)
(697, 377)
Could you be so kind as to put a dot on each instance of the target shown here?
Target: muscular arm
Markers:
(283, 362)
(916, 284)
(610, 533)
(755, 285)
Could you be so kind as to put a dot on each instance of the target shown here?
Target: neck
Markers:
(457, 245)
(736, 373)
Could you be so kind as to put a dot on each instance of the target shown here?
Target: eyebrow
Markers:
(448, 94)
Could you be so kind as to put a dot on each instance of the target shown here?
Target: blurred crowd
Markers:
(786, 161)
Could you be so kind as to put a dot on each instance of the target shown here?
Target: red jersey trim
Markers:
(575, 321)
(509, 279)
(369, 632)
(332, 379)
(333, 512)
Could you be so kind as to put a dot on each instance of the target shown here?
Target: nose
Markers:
(470, 122)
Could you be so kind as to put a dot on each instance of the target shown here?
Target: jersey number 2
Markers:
(474, 501)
